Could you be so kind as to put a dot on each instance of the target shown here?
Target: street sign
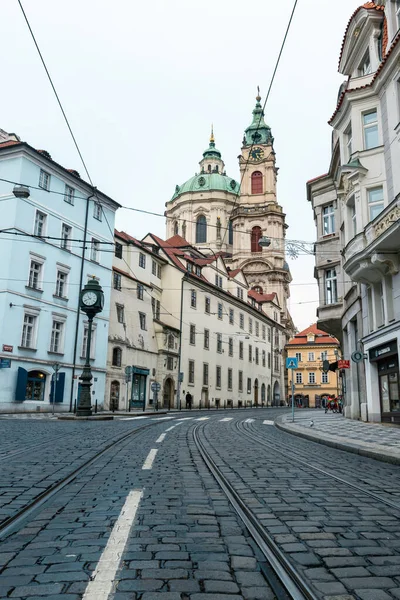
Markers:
(357, 357)
(292, 362)
(55, 366)
(155, 387)
(128, 371)
(7, 348)
(325, 366)
(5, 363)
(343, 364)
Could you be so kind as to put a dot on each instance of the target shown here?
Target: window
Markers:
(85, 341)
(94, 252)
(44, 180)
(40, 223)
(142, 320)
(311, 378)
(207, 305)
(257, 329)
(159, 271)
(298, 356)
(56, 339)
(276, 336)
(264, 332)
(231, 316)
(230, 233)
(256, 234)
(370, 126)
(398, 13)
(324, 355)
(218, 281)
(191, 371)
(29, 331)
(299, 377)
(170, 363)
(155, 307)
(120, 313)
(61, 284)
(171, 341)
(229, 379)
(205, 373)
(193, 299)
(218, 377)
(117, 280)
(230, 346)
(35, 275)
(257, 355)
(311, 356)
(269, 360)
(142, 260)
(139, 291)
(250, 353)
(97, 210)
(256, 183)
(324, 378)
(276, 362)
(349, 141)
(250, 325)
(331, 296)
(118, 250)
(201, 230)
(66, 234)
(192, 335)
(241, 321)
(240, 381)
(220, 310)
(365, 65)
(206, 339)
(219, 342)
(264, 358)
(248, 385)
(328, 217)
(375, 202)
(189, 267)
(69, 194)
(176, 228)
(241, 350)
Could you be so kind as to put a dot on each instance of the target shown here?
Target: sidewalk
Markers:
(374, 440)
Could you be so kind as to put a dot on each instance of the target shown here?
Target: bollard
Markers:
(95, 407)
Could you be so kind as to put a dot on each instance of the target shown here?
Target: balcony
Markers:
(373, 253)
(329, 319)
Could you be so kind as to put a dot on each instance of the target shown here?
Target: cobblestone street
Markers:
(146, 519)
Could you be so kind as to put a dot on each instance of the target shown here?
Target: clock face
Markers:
(89, 298)
(256, 154)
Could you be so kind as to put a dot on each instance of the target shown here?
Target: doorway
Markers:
(114, 395)
(389, 390)
(138, 397)
(277, 395)
(263, 394)
(256, 392)
(35, 386)
(168, 394)
(205, 401)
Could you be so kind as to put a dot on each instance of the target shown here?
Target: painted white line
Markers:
(148, 463)
(100, 587)
(173, 427)
(162, 418)
(132, 418)
(249, 421)
(268, 422)
(202, 419)
(161, 438)
(186, 419)
(226, 419)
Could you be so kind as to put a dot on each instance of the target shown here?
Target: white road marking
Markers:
(161, 438)
(202, 419)
(186, 419)
(100, 587)
(226, 419)
(132, 418)
(148, 463)
(249, 421)
(173, 427)
(162, 418)
(268, 422)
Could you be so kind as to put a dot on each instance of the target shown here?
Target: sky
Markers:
(141, 83)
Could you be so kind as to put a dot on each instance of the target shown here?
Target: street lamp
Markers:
(292, 247)
(21, 191)
(91, 300)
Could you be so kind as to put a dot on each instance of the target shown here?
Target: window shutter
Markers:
(22, 380)
(59, 395)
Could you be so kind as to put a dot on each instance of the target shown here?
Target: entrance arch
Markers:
(263, 394)
(35, 386)
(277, 394)
(114, 395)
(269, 395)
(256, 392)
(168, 393)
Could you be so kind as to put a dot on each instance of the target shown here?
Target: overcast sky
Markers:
(141, 83)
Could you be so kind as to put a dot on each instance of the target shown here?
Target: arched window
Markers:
(176, 228)
(216, 168)
(201, 230)
(117, 357)
(230, 233)
(256, 234)
(256, 183)
(258, 289)
(114, 395)
(209, 168)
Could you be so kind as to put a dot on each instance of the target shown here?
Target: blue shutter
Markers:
(60, 387)
(22, 380)
(51, 389)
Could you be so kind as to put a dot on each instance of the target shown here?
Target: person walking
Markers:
(188, 400)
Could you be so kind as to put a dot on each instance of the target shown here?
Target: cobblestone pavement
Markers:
(186, 542)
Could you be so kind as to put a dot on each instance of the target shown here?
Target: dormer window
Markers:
(365, 65)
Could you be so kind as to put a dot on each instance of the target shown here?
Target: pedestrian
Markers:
(188, 400)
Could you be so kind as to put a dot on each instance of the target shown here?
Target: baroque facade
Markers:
(356, 210)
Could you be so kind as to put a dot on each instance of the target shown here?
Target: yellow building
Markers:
(311, 347)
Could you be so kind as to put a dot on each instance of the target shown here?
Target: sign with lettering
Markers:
(7, 348)
(383, 351)
(344, 364)
(5, 363)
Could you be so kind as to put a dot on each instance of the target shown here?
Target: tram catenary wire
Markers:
(285, 580)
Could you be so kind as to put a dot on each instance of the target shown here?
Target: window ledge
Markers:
(64, 298)
(28, 287)
(26, 348)
(56, 353)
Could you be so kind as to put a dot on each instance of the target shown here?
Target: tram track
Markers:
(285, 580)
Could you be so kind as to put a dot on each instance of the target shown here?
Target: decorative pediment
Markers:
(201, 209)
(256, 266)
(392, 217)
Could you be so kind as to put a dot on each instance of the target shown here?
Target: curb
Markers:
(346, 447)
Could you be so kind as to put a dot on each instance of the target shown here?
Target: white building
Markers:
(357, 209)
(43, 265)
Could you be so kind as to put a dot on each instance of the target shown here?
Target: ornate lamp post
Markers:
(91, 302)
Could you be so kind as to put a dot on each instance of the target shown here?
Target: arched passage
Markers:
(114, 395)
(256, 392)
(168, 394)
(269, 395)
(277, 394)
(263, 394)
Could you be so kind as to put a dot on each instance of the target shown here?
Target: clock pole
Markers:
(91, 303)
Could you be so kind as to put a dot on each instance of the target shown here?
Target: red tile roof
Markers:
(8, 143)
(233, 272)
(316, 178)
(177, 241)
(321, 337)
(261, 298)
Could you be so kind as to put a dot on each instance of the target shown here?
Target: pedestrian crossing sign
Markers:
(291, 362)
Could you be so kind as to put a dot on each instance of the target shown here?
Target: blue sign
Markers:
(292, 362)
(5, 363)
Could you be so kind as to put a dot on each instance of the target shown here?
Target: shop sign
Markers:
(5, 363)
(7, 348)
(344, 364)
(383, 351)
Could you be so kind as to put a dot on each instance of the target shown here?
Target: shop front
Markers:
(139, 388)
(386, 360)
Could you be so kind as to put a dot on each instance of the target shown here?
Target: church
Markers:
(214, 211)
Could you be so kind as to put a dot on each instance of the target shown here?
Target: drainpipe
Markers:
(78, 312)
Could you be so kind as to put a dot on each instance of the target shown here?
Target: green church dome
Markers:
(208, 182)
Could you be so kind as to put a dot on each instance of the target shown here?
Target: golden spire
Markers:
(258, 97)
(212, 139)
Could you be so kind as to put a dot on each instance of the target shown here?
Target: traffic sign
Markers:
(155, 387)
(292, 362)
(56, 366)
(343, 364)
(5, 363)
(128, 371)
(357, 357)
